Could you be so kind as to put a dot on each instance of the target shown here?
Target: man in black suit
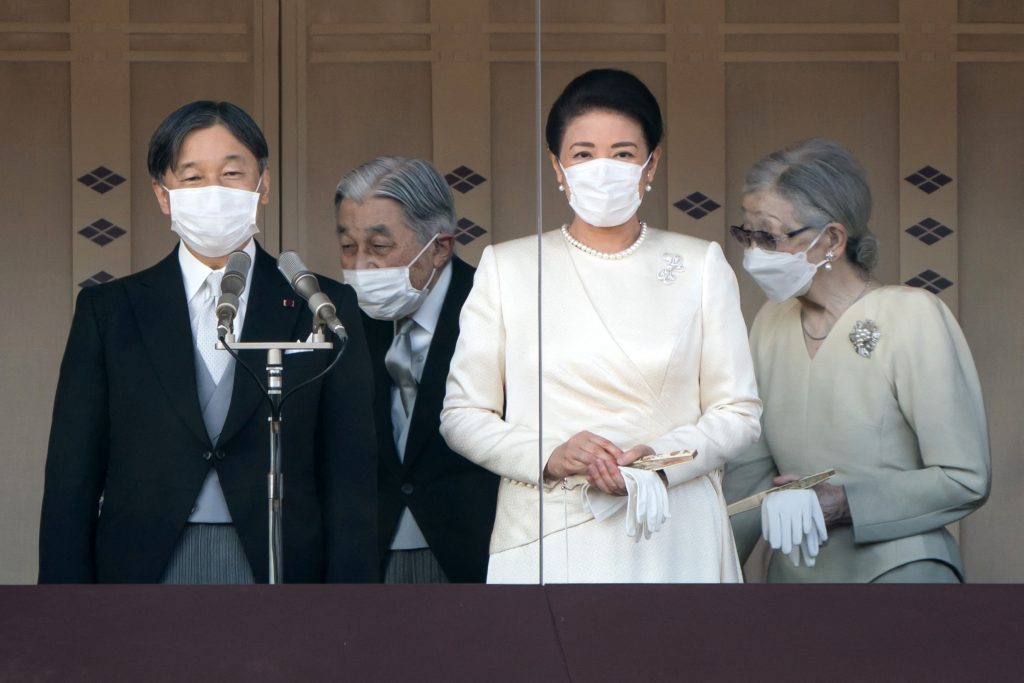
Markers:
(396, 220)
(158, 456)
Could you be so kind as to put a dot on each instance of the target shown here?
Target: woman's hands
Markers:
(832, 499)
(596, 458)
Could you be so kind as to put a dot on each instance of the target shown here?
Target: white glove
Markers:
(648, 502)
(602, 505)
(792, 522)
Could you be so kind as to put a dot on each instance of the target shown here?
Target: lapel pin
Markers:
(288, 303)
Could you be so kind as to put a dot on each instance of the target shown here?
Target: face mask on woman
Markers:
(604, 192)
(387, 293)
(214, 220)
(781, 274)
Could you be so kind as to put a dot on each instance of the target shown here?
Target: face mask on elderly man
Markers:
(780, 274)
(387, 293)
(214, 220)
(604, 192)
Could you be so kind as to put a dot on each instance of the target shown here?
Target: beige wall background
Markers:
(906, 84)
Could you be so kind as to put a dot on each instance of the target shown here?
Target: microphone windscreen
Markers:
(294, 270)
(234, 273)
(238, 261)
(291, 266)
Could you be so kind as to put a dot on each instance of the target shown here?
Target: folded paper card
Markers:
(660, 461)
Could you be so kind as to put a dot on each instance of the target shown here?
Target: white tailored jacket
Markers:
(648, 349)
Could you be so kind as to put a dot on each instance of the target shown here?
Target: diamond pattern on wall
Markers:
(929, 231)
(101, 179)
(928, 179)
(464, 179)
(466, 231)
(697, 205)
(96, 279)
(101, 231)
(930, 280)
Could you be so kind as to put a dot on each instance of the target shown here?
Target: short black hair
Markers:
(165, 144)
(610, 90)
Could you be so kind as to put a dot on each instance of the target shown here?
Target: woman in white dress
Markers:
(642, 350)
(875, 382)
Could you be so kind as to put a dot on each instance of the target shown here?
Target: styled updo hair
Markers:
(825, 184)
(607, 90)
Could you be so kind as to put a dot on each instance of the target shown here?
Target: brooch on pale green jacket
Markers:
(864, 336)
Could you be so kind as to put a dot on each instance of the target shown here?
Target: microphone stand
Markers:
(275, 481)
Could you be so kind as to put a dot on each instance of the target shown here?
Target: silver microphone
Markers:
(305, 285)
(231, 287)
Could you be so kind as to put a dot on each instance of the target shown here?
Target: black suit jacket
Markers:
(452, 499)
(125, 460)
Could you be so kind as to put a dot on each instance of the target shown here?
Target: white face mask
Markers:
(781, 274)
(387, 293)
(604, 192)
(214, 220)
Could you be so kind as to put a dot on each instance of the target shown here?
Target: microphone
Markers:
(305, 285)
(231, 287)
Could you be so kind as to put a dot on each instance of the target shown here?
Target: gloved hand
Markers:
(648, 506)
(792, 522)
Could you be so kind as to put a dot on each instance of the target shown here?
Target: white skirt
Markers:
(694, 546)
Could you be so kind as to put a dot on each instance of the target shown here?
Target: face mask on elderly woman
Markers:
(781, 274)
(604, 192)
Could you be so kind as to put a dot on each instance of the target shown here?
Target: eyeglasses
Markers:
(763, 238)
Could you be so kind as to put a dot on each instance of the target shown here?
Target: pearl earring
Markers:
(829, 257)
(561, 187)
(648, 188)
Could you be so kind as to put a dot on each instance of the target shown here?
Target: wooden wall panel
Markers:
(695, 119)
(928, 147)
(36, 259)
(461, 117)
(514, 141)
(991, 162)
(35, 278)
(100, 149)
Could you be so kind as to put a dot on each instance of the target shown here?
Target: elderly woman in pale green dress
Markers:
(874, 381)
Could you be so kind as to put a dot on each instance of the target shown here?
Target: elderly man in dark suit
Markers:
(158, 457)
(396, 220)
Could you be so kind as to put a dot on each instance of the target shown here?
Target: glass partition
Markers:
(566, 340)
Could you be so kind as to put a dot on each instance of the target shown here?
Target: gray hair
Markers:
(825, 184)
(415, 184)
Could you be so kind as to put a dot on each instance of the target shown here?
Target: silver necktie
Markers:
(206, 327)
(399, 364)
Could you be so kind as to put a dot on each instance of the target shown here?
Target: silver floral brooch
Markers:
(864, 336)
(674, 265)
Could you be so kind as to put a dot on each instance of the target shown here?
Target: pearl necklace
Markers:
(603, 254)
